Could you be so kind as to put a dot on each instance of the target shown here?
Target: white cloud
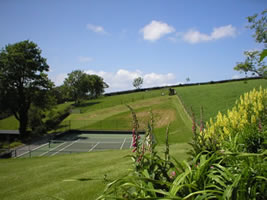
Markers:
(223, 31)
(155, 30)
(96, 29)
(122, 79)
(159, 79)
(84, 59)
(59, 79)
(194, 36)
(236, 77)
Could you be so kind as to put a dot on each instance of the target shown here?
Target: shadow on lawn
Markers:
(105, 179)
(85, 104)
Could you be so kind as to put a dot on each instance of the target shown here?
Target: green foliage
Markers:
(23, 80)
(258, 23)
(60, 94)
(97, 85)
(78, 85)
(263, 54)
(36, 123)
(254, 59)
(138, 82)
(55, 118)
(253, 63)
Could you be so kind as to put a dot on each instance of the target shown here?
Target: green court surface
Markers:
(75, 143)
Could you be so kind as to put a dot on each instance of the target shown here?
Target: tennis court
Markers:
(74, 143)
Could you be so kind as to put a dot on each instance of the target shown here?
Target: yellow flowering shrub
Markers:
(249, 111)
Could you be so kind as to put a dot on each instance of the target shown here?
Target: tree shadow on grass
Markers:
(85, 104)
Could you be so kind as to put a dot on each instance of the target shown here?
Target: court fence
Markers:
(84, 125)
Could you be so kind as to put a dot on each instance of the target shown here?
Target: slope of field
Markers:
(166, 111)
(111, 101)
(216, 97)
(68, 177)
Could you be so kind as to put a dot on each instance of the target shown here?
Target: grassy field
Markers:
(9, 123)
(68, 177)
(111, 101)
(215, 97)
(166, 110)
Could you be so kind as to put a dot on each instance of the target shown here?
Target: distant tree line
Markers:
(27, 93)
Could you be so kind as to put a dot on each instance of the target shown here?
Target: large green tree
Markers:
(97, 85)
(77, 85)
(23, 81)
(80, 85)
(254, 59)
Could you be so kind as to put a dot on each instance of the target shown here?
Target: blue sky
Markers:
(164, 41)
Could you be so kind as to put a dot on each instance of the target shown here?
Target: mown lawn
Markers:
(215, 97)
(122, 99)
(74, 176)
(166, 111)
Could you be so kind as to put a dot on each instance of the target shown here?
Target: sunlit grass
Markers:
(215, 97)
(75, 176)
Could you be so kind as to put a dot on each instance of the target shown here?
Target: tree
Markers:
(77, 85)
(252, 64)
(80, 85)
(60, 94)
(254, 59)
(187, 79)
(138, 82)
(97, 85)
(23, 80)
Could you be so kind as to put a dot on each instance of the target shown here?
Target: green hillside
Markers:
(215, 97)
(166, 110)
(111, 113)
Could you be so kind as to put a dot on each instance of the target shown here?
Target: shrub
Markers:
(55, 118)
(247, 118)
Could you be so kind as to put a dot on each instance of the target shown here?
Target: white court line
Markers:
(31, 150)
(52, 149)
(65, 147)
(93, 147)
(123, 143)
(101, 142)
